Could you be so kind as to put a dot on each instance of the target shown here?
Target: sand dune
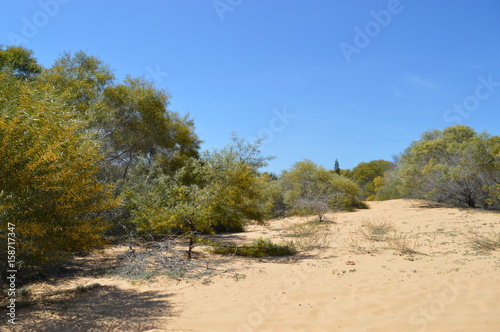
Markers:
(354, 285)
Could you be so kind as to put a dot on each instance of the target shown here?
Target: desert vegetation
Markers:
(86, 159)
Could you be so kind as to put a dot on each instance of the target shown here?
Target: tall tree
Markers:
(140, 126)
(132, 117)
(336, 168)
(48, 177)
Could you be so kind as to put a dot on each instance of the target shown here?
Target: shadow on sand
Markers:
(105, 308)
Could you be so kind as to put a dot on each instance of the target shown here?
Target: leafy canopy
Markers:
(455, 165)
(48, 183)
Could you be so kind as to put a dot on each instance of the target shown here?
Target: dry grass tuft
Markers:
(488, 242)
(311, 235)
(377, 230)
(404, 244)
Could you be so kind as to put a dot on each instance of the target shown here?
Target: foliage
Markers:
(139, 126)
(308, 188)
(456, 166)
(136, 131)
(48, 177)
(220, 191)
(19, 61)
(336, 167)
(275, 204)
(132, 117)
(364, 174)
(258, 248)
(387, 187)
(82, 79)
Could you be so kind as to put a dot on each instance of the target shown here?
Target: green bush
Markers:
(258, 248)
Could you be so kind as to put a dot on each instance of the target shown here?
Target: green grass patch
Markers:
(86, 288)
(258, 248)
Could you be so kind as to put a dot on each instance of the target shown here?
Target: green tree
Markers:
(336, 167)
(364, 174)
(139, 126)
(82, 79)
(136, 130)
(19, 61)
(455, 165)
(310, 188)
(48, 178)
(132, 117)
(222, 190)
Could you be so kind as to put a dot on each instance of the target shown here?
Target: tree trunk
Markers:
(191, 244)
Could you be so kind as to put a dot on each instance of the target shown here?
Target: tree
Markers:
(48, 177)
(136, 130)
(222, 190)
(140, 126)
(132, 117)
(337, 167)
(364, 175)
(455, 165)
(19, 61)
(311, 188)
(82, 79)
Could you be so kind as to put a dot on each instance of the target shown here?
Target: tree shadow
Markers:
(431, 205)
(105, 308)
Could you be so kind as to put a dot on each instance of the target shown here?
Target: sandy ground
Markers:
(356, 284)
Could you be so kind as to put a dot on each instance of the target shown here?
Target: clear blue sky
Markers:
(353, 80)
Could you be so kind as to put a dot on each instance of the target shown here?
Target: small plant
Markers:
(238, 276)
(370, 237)
(20, 292)
(86, 288)
(404, 244)
(377, 230)
(311, 235)
(258, 248)
(484, 242)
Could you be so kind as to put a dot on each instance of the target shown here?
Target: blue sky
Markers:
(352, 80)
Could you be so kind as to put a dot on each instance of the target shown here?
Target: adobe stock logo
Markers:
(31, 25)
(429, 312)
(223, 6)
(483, 91)
(363, 37)
(277, 124)
(156, 74)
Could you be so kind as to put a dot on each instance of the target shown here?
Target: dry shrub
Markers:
(145, 260)
(490, 241)
(404, 244)
(377, 230)
(375, 236)
(369, 237)
(311, 235)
